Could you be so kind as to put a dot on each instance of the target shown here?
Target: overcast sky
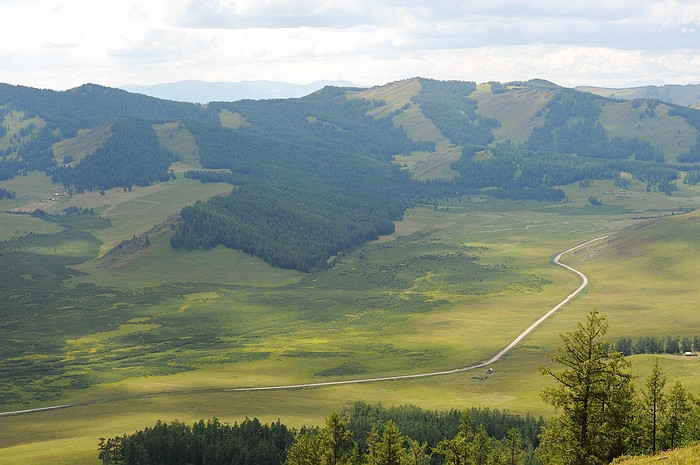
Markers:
(60, 44)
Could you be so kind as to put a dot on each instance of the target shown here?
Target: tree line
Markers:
(288, 228)
(386, 444)
(658, 345)
(210, 443)
(360, 433)
(693, 118)
(6, 193)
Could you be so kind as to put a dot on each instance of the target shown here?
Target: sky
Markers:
(61, 44)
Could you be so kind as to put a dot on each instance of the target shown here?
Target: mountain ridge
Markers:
(686, 95)
(197, 91)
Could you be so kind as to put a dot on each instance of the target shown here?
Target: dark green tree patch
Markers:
(131, 156)
(448, 106)
(210, 443)
(295, 205)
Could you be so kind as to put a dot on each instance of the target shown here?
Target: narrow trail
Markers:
(495, 358)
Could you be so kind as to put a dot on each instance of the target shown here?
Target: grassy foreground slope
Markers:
(683, 456)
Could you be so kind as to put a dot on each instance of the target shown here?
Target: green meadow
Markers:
(162, 334)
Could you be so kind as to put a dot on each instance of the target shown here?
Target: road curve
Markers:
(495, 358)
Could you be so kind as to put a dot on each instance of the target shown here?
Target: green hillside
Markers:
(682, 456)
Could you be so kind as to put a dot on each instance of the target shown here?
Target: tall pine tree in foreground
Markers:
(591, 389)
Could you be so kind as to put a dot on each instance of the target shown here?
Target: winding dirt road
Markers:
(495, 358)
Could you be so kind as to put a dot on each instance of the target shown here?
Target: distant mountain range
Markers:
(686, 95)
(205, 92)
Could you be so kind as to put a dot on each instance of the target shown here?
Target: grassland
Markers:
(407, 114)
(85, 143)
(671, 134)
(684, 456)
(518, 120)
(161, 334)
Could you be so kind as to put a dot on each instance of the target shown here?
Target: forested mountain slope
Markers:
(317, 175)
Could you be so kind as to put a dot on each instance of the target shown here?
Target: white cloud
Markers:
(68, 42)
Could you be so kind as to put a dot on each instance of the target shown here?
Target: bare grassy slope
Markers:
(642, 277)
(684, 456)
(397, 97)
(516, 110)
(85, 143)
(649, 122)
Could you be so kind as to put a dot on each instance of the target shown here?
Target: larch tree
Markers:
(676, 417)
(587, 392)
(653, 406)
(387, 449)
(338, 445)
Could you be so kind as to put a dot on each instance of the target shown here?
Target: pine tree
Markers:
(653, 406)
(307, 449)
(418, 453)
(456, 451)
(389, 449)
(583, 393)
(480, 450)
(678, 409)
(338, 445)
(513, 454)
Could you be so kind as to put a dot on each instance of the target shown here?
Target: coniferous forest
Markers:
(253, 443)
(131, 156)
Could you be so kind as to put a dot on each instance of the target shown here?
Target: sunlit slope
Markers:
(407, 114)
(683, 456)
(649, 121)
(643, 277)
(517, 109)
(85, 143)
(397, 101)
(520, 108)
